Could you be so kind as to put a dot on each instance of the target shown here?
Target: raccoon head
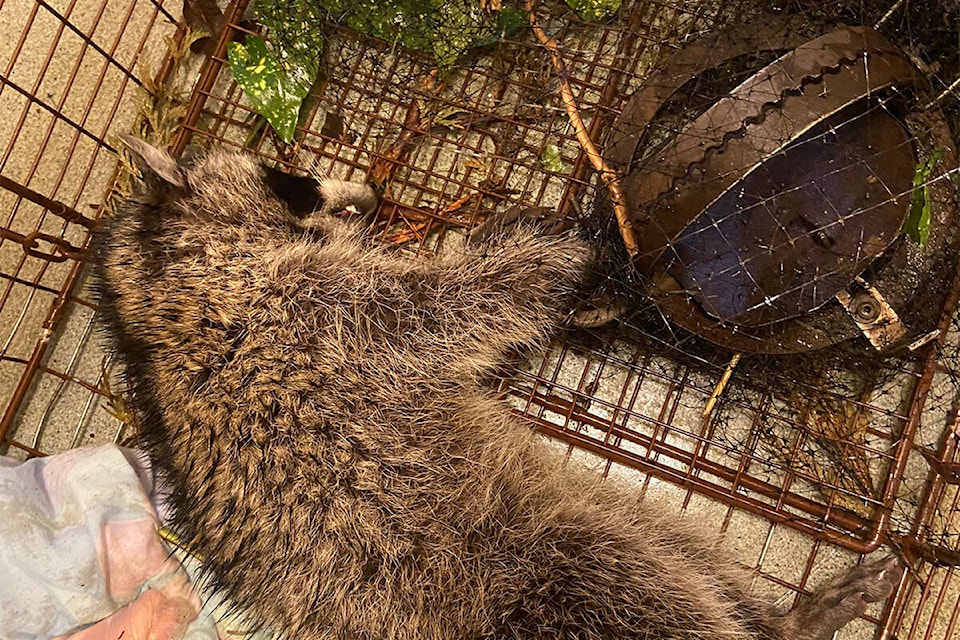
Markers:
(232, 186)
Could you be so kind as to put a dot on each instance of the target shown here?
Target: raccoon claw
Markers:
(548, 221)
(864, 585)
(847, 597)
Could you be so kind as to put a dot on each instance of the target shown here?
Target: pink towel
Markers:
(80, 553)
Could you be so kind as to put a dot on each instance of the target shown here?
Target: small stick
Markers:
(890, 12)
(457, 204)
(946, 92)
(414, 231)
(717, 390)
(607, 174)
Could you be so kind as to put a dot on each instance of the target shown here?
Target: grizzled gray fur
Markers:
(315, 403)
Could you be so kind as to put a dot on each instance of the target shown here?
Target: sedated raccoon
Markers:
(315, 404)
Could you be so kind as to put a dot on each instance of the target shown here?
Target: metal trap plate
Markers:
(785, 195)
(801, 226)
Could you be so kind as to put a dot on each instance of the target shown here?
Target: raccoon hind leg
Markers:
(843, 600)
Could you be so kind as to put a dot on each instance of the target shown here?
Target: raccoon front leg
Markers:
(512, 282)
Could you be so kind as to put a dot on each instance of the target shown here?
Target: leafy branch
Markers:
(277, 70)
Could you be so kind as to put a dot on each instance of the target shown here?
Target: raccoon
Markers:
(316, 405)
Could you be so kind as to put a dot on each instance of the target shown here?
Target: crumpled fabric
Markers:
(80, 553)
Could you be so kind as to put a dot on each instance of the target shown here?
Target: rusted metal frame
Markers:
(405, 143)
(786, 419)
(803, 385)
(65, 377)
(808, 568)
(588, 363)
(662, 427)
(448, 179)
(42, 71)
(57, 309)
(655, 445)
(896, 609)
(567, 412)
(635, 377)
(747, 457)
(24, 32)
(878, 508)
(64, 247)
(29, 242)
(160, 76)
(702, 448)
(509, 385)
(208, 77)
(26, 283)
(89, 40)
(55, 207)
(459, 142)
(665, 417)
(916, 403)
(464, 190)
(31, 452)
(933, 493)
(716, 492)
(918, 396)
(4, 81)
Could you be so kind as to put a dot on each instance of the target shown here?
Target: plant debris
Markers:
(917, 224)
(593, 10)
(550, 158)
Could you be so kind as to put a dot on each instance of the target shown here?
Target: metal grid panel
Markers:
(71, 79)
(454, 151)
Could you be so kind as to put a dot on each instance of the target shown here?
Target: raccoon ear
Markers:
(158, 161)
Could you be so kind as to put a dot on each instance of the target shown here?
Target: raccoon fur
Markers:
(315, 404)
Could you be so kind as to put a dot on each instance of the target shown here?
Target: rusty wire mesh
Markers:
(804, 462)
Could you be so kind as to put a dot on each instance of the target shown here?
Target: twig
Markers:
(414, 230)
(896, 5)
(607, 174)
(717, 390)
(458, 204)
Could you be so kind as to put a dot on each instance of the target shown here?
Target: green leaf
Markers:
(508, 21)
(917, 224)
(550, 158)
(593, 10)
(444, 29)
(458, 26)
(294, 30)
(275, 90)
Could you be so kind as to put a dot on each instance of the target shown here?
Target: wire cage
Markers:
(801, 461)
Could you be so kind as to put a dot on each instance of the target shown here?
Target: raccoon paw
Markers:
(847, 598)
(349, 197)
(546, 220)
(849, 595)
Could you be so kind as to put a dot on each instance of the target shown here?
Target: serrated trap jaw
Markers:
(771, 221)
